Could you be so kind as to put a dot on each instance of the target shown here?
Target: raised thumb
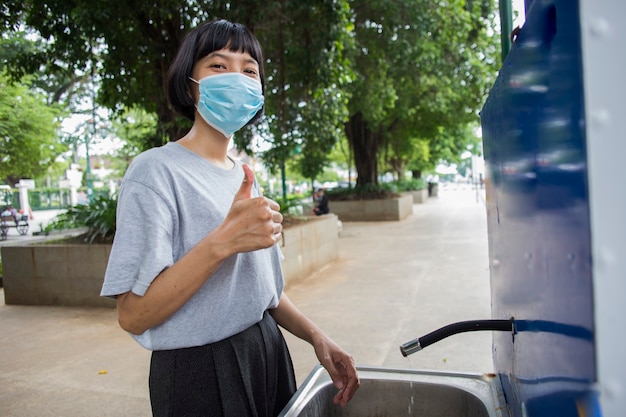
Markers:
(245, 191)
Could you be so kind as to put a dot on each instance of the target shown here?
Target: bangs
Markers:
(231, 36)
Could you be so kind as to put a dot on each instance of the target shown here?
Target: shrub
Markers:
(98, 216)
(412, 184)
(370, 192)
(380, 191)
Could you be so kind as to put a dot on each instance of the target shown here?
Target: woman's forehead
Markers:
(231, 55)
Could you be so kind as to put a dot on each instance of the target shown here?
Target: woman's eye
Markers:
(251, 71)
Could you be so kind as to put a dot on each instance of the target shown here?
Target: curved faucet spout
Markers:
(454, 328)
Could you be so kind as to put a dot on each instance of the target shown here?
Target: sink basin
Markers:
(393, 392)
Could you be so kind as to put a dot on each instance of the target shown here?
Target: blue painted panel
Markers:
(538, 217)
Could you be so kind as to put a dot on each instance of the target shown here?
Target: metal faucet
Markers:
(454, 328)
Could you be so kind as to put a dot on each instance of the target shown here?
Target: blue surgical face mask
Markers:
(229, 101)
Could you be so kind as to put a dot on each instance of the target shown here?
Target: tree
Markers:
(423, 69)
(64, 88)
(130, 46)
(134, 127)
(305, 44)
(28, 133)
(396, 70)
(411, 153)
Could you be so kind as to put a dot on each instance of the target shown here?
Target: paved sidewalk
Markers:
(394, 281)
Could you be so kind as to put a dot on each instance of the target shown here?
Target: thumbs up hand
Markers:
(251, 223)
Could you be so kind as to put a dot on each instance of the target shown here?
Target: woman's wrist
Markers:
(217, 246)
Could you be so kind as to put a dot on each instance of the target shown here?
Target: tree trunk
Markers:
(365, 146)
(398, 167)
(416, 173)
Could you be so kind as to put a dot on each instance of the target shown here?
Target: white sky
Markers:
(518, 5)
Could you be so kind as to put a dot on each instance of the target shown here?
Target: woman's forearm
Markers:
(292, 320)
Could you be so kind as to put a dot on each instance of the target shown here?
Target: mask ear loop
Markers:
(195, 104)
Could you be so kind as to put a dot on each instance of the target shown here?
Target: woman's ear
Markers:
(193, 91)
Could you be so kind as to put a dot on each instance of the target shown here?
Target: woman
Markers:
(195, 266)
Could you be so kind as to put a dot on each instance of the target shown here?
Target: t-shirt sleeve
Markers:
(142, 246)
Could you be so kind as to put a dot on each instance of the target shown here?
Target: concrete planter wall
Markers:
(309, 246)
(55, 274)
(397, 208)
(71, 274)
(419, 196)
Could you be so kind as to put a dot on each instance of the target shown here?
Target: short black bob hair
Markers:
(209, 37)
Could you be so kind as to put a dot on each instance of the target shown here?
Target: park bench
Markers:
(7, 220)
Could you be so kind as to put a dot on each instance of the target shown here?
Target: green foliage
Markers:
(412, 184)
(365, 192)
(305, 44)
(423, 73)
(412, 153)
(400, 78)
(130, 48)
(328, 175)
(287, 205)
(137, 129)
(28, 132)
(52, 174)
(98, 217)
(381, 190)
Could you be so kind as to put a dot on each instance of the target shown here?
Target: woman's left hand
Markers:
(340, 365)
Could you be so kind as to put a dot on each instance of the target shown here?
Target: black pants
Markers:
(248, 374)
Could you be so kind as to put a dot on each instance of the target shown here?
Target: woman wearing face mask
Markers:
(195, 267)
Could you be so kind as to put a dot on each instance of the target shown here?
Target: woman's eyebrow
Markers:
(228, 57)
(251, 61)
(217, 54)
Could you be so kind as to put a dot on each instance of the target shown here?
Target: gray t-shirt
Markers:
(169, 200)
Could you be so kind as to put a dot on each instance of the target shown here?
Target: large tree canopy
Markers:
(28, 133)
(129, 45)
(126, 46)
(395, 75)
(423, 71)
(305, 44)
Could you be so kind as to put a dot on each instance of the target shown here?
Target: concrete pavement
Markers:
(394, 281)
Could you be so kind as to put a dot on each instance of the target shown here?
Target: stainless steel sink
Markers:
(393, 392)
